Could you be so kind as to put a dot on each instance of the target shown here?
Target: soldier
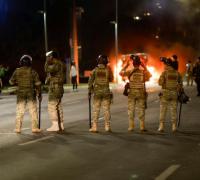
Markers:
(171, 82)
(175, 63)
(137, 93)
(196, 75)
(99, 85)
(55, 70)
(28, 87)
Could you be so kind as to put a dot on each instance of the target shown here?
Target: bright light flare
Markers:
(117, 69)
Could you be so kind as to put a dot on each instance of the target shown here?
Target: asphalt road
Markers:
(77, 154)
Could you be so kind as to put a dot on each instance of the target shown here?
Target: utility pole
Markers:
(45, 26)
(116, 39)
(75, 39)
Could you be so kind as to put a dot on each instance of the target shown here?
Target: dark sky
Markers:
(176, 22)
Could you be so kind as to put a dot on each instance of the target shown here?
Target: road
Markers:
(77, 154)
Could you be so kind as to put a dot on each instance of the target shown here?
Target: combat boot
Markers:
(131, 125)
(36, 130)
(18, 130)
(54, 126)
(93, 129)
(161, 127)
(62, 126)
(107, 127)
(174, 127)
(142, 127)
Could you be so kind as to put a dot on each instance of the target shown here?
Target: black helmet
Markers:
(169, 62)
(175, 56)
(102, 59)
(54, 54)
(25, 60)
(136, 59)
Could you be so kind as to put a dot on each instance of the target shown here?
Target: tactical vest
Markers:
(59, 77)
(171, 79)
(101, 82)
(24, 78)
(137, 79)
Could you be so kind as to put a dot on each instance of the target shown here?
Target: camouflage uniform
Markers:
(171, 83)
(55, 79)
(137, 95)
(27, 81)
(99, 85)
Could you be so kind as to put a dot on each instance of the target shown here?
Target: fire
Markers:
(154, 73)
(117, 69)
(153, 80)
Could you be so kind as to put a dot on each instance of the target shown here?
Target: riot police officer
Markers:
(56, 71)
(28, 87)
(171, 83)
(137, 93)
(98, 85)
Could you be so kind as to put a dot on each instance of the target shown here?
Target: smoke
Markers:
(155, 49)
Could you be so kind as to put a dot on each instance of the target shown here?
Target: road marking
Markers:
(169, 171)
(25, 128)
(73, 102)
(134, 176)
(101, 118)
(8, 133)
(36, 140)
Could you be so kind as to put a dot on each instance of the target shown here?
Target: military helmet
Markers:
(54, 54)
(136, 59)
(169, 62)
(175, 56)
(25, 60)
(102, 59)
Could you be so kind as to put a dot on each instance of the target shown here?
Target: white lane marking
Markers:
(167, 172)
(25, 128)
(8, 133)
(134, 176)
(73, 102)
(101, 118)
(36, 140)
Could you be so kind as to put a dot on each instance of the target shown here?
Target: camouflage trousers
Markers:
(164, 104)
(105, 103)
(55, 110)
(20, 110)
(136, 104)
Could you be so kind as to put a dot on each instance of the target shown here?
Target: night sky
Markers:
(175, 22)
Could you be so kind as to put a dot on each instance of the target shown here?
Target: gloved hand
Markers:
(39, 96)
(89, 95)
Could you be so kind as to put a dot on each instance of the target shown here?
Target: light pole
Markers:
(45, 26)
(116, 39)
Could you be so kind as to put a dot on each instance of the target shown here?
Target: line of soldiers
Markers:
(170, 81)
(29, 90)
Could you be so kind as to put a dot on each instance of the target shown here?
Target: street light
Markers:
(116, 38)
(45, 26)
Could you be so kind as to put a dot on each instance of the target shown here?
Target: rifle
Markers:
(90, 119)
